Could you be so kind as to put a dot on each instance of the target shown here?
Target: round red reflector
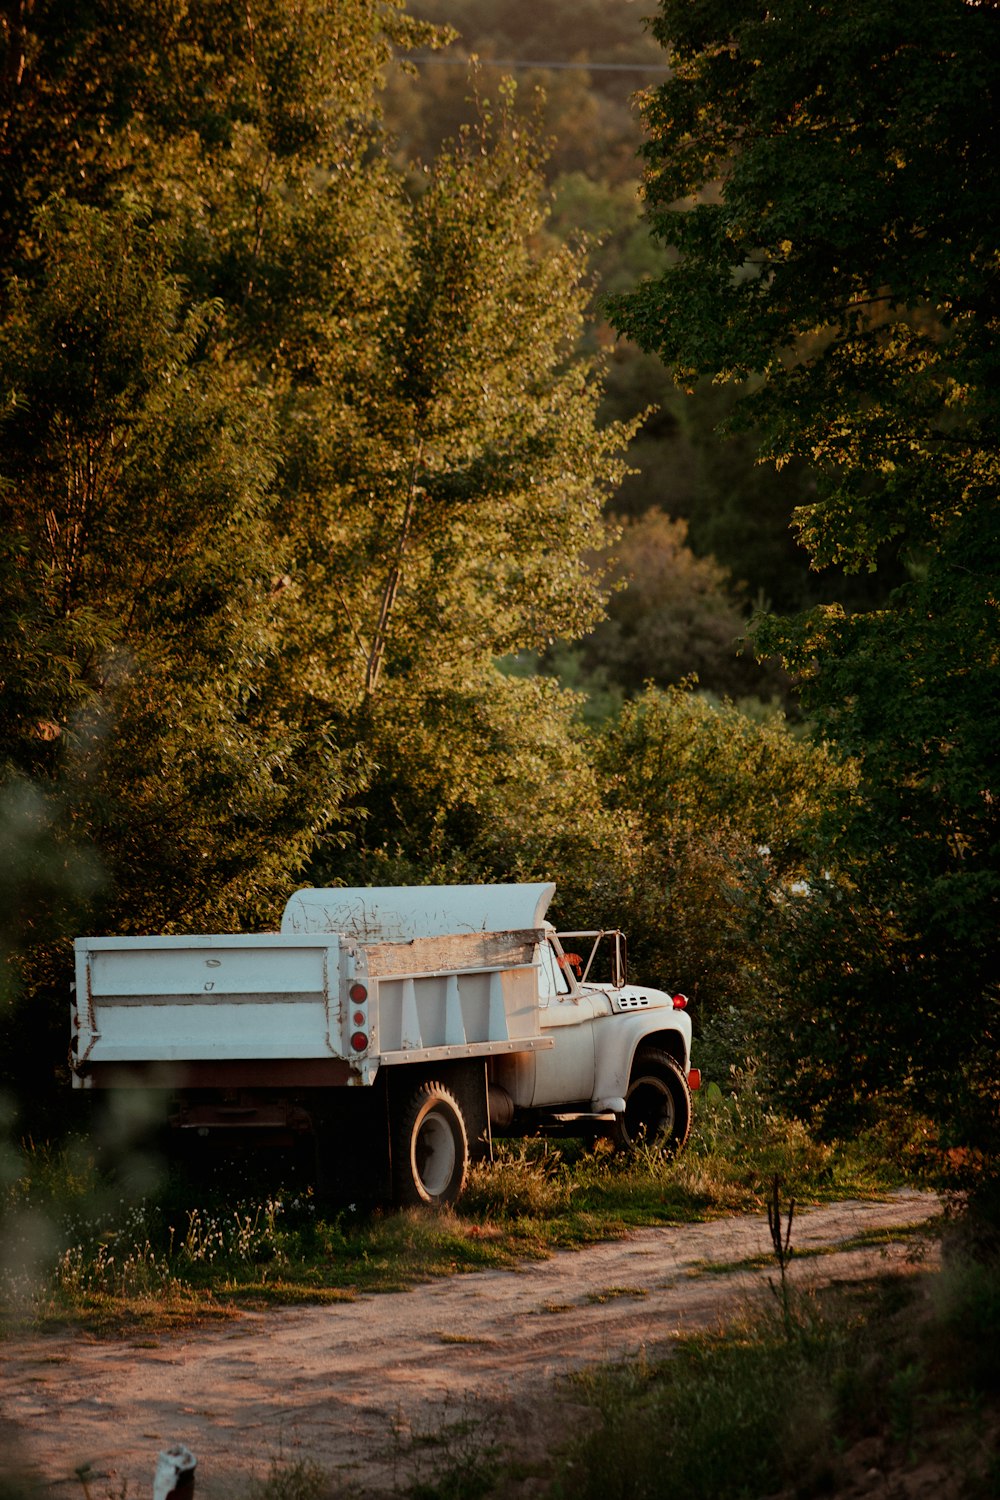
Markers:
(358, 993)
(359, 1041)
(359, 1018)
(680, 1002)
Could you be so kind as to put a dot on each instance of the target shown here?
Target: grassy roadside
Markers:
(805, 1401)
(75, 1249)
(891, 1387)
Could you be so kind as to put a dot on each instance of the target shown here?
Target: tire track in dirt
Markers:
(352, 1385)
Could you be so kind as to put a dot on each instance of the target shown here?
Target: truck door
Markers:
(564, 1073)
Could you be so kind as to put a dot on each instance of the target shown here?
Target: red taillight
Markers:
(694, 1079)
(680, 1002)
(359, 1041)
(358, 993)
(359, 1018)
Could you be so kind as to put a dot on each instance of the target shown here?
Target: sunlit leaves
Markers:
(136, 478)
(459, 470)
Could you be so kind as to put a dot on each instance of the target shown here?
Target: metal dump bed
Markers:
(191, 1009)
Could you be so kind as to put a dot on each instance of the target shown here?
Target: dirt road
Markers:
(358, 1387)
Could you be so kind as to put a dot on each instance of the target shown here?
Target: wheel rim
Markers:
(434, 1154)
(650, 1112)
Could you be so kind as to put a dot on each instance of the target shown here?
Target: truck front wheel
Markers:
(430, 1157)
(657, 1106)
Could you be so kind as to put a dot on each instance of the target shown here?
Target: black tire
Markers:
(430, 1149)
(657, 1106)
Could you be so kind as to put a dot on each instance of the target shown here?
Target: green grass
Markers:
(460, 1459)
(892, 1373)
(774, 1403)
(866, 1240)
(75, 1249)
(610, 1293)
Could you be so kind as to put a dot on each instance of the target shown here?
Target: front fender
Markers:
(617, 1039)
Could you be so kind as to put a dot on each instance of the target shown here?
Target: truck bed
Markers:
(206, 1009)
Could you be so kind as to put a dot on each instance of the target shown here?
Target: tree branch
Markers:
(391, 589)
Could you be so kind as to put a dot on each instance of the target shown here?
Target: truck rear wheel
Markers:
(657, 1106)
(430, 1157)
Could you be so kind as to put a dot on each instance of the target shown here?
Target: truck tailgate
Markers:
(170, 998)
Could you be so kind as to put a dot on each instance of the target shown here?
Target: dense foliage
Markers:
(292, 451)
(845, 264)
(306, 462)
(591, 63)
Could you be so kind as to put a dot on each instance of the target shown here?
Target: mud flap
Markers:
(353, 1154)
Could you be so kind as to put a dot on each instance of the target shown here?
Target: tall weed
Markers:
(522, 1181)
(779, 1401)
(734, 1415)
(300, 1479)
(966, 1322)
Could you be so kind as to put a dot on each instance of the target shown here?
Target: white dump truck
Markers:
(392, 1029)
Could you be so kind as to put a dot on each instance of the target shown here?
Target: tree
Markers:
(678, 616)
(422, 455)
(587, 115)
(117, 96)
(217, 161)
(136, 613)
(463, 459)
(846, 267)
(135, 479)
(714, 819)
(293, 448)
(453, 489)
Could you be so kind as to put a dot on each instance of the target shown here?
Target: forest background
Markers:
(344, 539)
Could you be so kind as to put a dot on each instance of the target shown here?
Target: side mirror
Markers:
(619, 977)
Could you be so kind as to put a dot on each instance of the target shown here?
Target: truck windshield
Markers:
(600, 957)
